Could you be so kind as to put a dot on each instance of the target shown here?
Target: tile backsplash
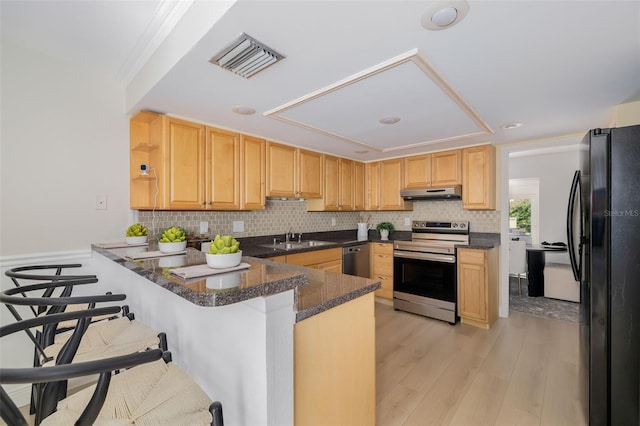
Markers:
(279, 216)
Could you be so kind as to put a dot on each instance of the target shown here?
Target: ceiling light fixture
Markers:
(444, 14)
(510, 126)
(361, 152)
(243, 110)
(246, 56)
(389, 120)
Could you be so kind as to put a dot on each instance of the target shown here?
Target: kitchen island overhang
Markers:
(237, 344)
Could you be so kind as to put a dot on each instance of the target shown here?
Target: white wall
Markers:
(555, 172)
(64, 140)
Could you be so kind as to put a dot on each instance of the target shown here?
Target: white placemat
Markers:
(151, 254)
(119, 244)
(204, 270)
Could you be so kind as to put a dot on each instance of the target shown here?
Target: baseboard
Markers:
(20, 394)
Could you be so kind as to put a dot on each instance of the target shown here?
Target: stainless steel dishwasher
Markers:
(355, 260)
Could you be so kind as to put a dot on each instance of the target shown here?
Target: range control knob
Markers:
(463, 225)
(455, 225)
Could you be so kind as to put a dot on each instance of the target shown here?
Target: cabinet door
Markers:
(446, 168)
(331, 188)
(372, 174)
(390, 184)
(345, 179)
(358, 186)
(252, 171)
(281, 170)
(417, 171)
(309, 174)
(331, 266)
(222, 169)
(479, 178)
(472, 295)
(186, 174)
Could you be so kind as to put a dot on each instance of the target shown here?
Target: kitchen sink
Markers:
(297, 244)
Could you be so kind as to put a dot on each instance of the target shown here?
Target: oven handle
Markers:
(445, 258)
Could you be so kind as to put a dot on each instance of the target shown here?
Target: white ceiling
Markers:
(559, 67)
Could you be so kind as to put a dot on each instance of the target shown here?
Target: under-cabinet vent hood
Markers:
(445, 193)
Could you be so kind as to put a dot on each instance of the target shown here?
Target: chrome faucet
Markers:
(289, 234)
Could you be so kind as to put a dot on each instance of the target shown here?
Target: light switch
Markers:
(238, 226)
(101, 202)
(333, 221)
(407, 221)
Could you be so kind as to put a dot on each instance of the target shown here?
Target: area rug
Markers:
(540, 306)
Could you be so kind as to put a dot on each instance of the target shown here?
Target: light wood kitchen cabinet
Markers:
(479, 178)
(372, 185)
(146, 147)
(359, 190)
(382, 268)
(293, 172)
(222, 153)
(185, 173)
(327, 259)
(478, 286)
(338, 186)
(437, 169)
(343, 340)
(345, 182)
(253, 173)
(391, 181)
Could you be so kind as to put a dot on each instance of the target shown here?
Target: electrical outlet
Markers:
(238, 226)
(101, 202)
(407, 221)
(333, 221)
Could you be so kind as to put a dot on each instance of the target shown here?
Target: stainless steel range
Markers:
(424, 269)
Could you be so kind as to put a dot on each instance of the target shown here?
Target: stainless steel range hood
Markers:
(444, 193)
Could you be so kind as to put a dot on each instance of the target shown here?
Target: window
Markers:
(520, 215)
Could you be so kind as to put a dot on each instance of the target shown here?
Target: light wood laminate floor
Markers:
(523, 371)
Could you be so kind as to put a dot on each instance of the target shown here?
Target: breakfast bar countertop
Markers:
(315, 290)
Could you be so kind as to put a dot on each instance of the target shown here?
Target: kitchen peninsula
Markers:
(274, 347)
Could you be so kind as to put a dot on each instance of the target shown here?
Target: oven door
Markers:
(424, 274)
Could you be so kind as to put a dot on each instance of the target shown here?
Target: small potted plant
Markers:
(224, 252)
(385, 228)
(173, 240)
(136, 234)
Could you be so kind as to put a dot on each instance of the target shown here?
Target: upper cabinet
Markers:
(185, 155)
(359, 186)
(390, 183)
(479, 178)
(338, 186)
(372, 186)
(293, 172)
(146, 148)
(253, 173)
(437, 169)
(193, 167)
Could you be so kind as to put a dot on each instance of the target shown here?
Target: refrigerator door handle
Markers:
(576, 261)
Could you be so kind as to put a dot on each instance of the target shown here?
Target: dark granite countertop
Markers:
(482, 240)
(315, 290)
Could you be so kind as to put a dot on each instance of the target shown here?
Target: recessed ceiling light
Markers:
(243, 110)
(361, 152)
(389, 120)
(510, 126)
(444, 14)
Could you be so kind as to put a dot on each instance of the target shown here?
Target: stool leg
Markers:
(519, 286)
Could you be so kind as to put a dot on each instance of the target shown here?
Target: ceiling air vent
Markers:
(246, 56)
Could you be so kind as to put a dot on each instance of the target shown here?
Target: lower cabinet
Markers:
(478, 286)
(382, 268)
(327, 259)
(334, 366)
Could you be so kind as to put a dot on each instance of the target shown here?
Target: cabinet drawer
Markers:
(386, 285)
(383, 264)
(315, 257)
(474, 257)
(382, 248)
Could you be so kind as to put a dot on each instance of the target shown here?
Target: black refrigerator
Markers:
(603, 227)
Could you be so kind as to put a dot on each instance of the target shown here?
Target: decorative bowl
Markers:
(136, 240)
(172, 247)
(221, 261)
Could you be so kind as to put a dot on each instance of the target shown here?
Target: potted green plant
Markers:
(385, 228)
